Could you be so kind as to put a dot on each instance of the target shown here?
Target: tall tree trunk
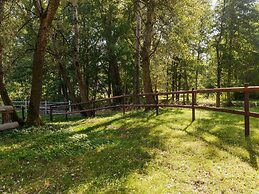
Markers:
(174, 79)
(197, 70)
(196, 78)
(83, 87)
(4, 94)
(109, 90)
(76, 62)
(229, 75)
(137, 53)
(218, 52)
(230, 50)
(63, 73)
(219, 69)
(146, 51)
(95, 85)
(62, 70)
(167, 83)
(112, 57)
(186, 85)
(63, 88)
(37, 74)
(46, 18)
(179, 85)
(115, 77)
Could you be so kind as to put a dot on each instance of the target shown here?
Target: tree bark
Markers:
(114, 72)
(197, 70)
(167, 83)
(179, 83)
(109, 91)
(63, 73)
(46, 18)
(82, 85)
(4, 94)
(218, 52)
(186, 85)
(174, 78)
(219, 69)
(230, 50)
(137, 53)
(59, 59)
(115, 77)
(146, 51)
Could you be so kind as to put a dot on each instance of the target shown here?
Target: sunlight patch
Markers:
(211, 138)
(79, 137)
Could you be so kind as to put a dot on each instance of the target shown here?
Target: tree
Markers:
(4, 94)
(76, 60)
(235, 42)
(46, 17)
(128, 46)
(58, 54)
(111, 39)
(146, 49)
(137, 52)
(220, 20)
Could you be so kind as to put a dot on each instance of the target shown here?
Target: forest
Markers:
(84, 50)
(145, 96)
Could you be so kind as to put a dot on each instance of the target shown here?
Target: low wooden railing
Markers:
(124, 103)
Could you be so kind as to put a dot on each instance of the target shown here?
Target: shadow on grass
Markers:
(252, 154)
(96, 158)
(229, 134)
(237, 137)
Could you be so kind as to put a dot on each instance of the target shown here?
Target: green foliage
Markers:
(239, 45)
(184, 41)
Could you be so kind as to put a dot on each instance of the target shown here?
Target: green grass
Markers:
(135, 153)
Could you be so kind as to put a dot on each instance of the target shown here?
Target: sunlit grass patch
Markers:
(133, 153)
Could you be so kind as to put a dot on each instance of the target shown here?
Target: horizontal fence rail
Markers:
(124, 102)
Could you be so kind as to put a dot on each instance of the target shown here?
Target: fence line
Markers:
(44, 105)
(91, 106)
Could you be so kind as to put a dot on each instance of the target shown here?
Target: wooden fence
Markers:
(124, 102)
(44, 106)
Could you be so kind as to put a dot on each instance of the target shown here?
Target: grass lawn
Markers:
(135, 153)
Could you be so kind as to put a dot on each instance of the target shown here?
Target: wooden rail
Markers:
(7, 123)
(125, 99)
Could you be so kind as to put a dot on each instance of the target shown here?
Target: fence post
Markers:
(46, 107)
(193, 104)
(23, 113)
(218, 99)
(67, 109)
(69, 104)
(50, 113)
(123, 105)
(26, 106)
(246, 108)
(157, 104)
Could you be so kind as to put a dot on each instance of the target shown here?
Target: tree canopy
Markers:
(89, 49)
